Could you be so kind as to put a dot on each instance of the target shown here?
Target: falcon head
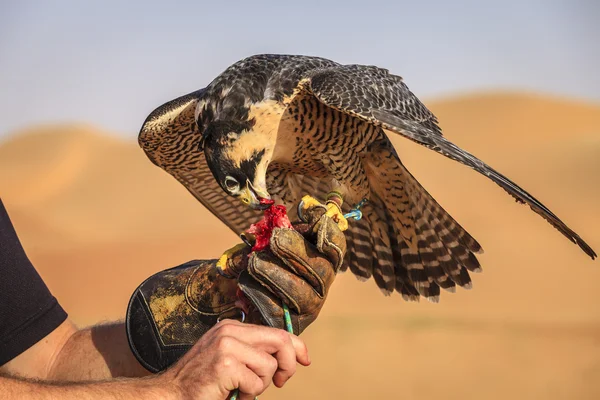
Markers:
(238, 158)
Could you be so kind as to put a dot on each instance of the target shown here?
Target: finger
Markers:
(301, 356)
(284, 284)
(280, 340)
(267, 310)
(234, 352)
(248, 383)
(300, 349)
(331, 241)
(263, 364)
(302, 257)
(287, 348)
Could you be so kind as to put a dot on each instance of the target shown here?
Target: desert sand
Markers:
(97, 218)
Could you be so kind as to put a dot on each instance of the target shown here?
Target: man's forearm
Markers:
(96, 353)
(121, 389)
(70, 355)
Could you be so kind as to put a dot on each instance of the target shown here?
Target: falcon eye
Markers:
(232, 184)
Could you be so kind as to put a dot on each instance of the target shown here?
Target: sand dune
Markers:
(96, 188)
(97, 218)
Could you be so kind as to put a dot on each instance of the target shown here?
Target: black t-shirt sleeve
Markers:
(28, 311)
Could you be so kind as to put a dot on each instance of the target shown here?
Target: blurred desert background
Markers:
(97, 218)
(514, 82)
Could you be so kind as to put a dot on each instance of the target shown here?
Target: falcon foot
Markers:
(333, 205)
(225, 265)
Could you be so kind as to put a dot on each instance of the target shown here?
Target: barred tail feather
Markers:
(359, 254)
(440, 252)
(383, 260)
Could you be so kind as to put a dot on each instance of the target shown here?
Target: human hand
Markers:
(233, 355)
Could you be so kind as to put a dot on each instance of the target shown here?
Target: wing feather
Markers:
(375, 95)
(171, 140)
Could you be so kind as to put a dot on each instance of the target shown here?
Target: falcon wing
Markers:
(170, 138)
(375, 95)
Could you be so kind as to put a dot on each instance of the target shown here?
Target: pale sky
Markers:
(110, 63)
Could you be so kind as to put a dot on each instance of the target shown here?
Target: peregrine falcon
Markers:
(283, 126)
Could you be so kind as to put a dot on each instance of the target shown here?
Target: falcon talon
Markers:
(248, 238)
(306, 203)
(300, 211)
(223, 267)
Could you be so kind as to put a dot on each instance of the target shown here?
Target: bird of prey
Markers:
(283, 126)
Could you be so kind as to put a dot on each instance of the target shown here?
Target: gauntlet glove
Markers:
(172, 309)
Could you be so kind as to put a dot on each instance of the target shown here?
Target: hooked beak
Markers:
(256, 198)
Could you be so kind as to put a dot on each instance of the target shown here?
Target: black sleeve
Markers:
(28, 311)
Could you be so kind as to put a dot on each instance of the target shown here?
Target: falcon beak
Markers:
(256, 198)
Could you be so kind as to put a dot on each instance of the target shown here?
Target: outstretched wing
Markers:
(170, 138)
(375, 95)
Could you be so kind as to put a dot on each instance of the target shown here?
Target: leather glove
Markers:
(298, 269)
(172, 309)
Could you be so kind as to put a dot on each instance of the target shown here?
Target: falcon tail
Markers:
(418, 247)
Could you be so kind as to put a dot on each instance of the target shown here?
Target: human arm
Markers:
(23, 389)
(44, 356)
(70, 354)
(51, 368)
(37, 340)
(230, 355)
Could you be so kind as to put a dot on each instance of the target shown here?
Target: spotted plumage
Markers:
(285, 126)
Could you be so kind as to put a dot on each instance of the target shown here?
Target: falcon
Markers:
(278, 127)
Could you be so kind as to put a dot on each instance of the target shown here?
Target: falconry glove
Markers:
(172, 309)
(298, 270)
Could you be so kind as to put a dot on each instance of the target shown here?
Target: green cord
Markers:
(354, 213)
(288, 327)
(288, 319)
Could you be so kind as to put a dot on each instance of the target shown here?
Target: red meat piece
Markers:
(275, 217)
